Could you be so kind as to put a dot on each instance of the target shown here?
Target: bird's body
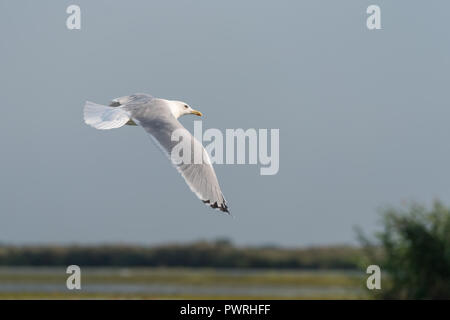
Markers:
(159, 117)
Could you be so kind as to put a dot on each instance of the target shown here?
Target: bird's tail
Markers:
(104, 117)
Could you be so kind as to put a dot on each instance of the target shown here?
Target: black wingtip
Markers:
(223, 206)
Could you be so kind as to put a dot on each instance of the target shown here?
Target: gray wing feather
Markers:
(137, 98)
(200, 177)
(134, 99)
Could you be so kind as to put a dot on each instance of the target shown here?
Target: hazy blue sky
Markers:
(363, 116)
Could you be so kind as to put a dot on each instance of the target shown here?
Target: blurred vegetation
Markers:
(216, 254)
(415, 252)
(412, 249)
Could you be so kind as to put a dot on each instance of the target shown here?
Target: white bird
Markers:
(159, 118)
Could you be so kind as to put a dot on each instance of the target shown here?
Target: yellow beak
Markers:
(197, 113)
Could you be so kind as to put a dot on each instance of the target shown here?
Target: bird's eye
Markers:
(185, 106)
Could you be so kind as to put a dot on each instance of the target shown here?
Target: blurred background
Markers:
(363, 119)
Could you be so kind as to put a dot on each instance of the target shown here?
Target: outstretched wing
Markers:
(199, 175)
(137, 98)
(140, 98)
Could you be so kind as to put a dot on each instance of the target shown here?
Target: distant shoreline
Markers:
(201, 254)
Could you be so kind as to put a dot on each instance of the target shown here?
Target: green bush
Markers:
(415, 247)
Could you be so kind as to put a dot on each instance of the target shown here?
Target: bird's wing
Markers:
(136, 99)
(199, 176)
(132, 99)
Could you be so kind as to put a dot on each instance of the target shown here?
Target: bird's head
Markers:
(180, 108)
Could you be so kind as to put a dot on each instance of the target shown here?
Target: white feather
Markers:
(104, 117)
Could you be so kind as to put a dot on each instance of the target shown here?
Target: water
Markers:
(160, 282)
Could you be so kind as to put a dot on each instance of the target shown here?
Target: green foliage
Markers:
(416, 252)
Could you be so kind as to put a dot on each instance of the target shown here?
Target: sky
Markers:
(363, 117)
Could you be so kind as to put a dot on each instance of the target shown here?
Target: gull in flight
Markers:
(159, 117)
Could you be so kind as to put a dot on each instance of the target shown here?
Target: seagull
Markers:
(159, 118)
